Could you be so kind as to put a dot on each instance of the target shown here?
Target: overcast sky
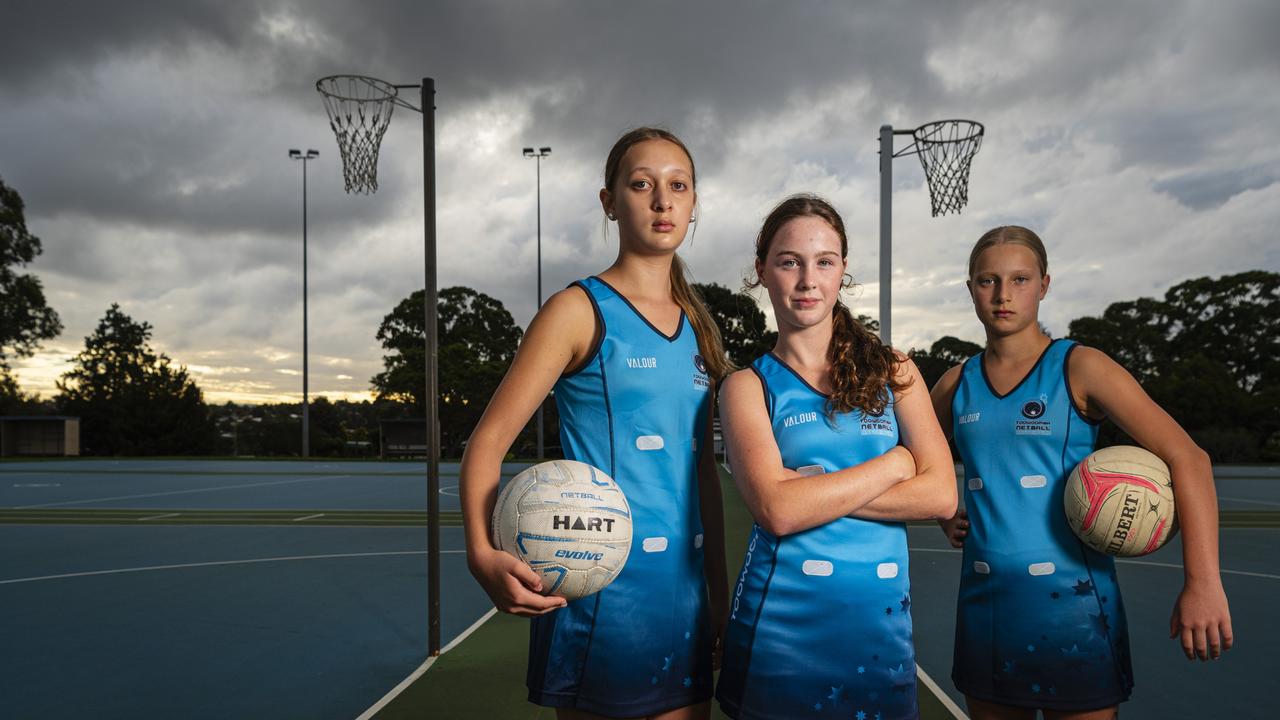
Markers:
(149, 141)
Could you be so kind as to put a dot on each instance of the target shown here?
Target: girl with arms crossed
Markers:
(1040, 623)
(820, 622)
(632, 354)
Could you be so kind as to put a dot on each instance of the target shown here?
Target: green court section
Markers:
(483, 676)
(1257, 519)
(153, 516)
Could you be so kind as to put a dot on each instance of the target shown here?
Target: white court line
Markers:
(725, 465)
(413, 676)
(221, 562)
(947, 702)
(445, 490)
(181, 492)
(1175, 566)
(157, 517)
(309, 517)
(1247, 500)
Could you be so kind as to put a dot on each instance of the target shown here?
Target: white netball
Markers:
(568, 521)
(1119, 501)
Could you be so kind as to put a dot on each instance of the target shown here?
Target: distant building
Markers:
(57, 435)
(402, 438)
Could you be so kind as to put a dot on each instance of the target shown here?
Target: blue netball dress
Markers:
(820, 621)
(1039, 621)
(637, 410)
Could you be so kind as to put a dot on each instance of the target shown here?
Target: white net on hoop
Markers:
(359, 111)
(946, 148)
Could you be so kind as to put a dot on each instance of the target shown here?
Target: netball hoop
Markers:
(359, 109)
(946, 149)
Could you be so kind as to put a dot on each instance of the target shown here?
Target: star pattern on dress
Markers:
(861, 669)
(888, 611)
(905, 602)
(666, 662)
(1100, 621)
(861, 715)
(1084, 587)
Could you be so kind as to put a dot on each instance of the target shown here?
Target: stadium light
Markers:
(541, 153)
(295, 154)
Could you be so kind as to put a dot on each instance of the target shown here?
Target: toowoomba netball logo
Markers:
(1032, 409)
(700, 379)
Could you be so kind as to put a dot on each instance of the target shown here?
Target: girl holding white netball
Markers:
(1040, 623)
(632, 355)
(833, 444)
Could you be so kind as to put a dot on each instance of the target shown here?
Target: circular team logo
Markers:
(1032, 409)
(699, 363)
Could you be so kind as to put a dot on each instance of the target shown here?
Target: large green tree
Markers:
(25, 316)
(742, 324)
(477, 341)
(945, 352)
(1209, 353)
(132, 400)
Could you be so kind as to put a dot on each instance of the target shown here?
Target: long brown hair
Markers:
(709, 343)
(862, 367)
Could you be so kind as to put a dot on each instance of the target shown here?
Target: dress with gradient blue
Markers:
(820, 621)
(1039, 622)
(637, 410)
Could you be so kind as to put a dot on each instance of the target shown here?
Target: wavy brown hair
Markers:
(862, 368)
(710, 344)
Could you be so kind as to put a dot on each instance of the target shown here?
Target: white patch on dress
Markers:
(975, 483)
(981, 568)
(1044, 568)
(1033, 481)
(885, 571)
(654, 544)
(650, 442)
(808, 470)
(697, 540)
(820, 568)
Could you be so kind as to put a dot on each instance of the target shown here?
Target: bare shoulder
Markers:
(949, 380)
(1092, 370)
(569, 304)
(1088, 359)
(740, 385)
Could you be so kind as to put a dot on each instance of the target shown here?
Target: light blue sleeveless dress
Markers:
(1039, 621)
(820, 623)
(637, 409)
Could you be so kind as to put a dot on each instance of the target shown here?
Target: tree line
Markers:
(1208, 352)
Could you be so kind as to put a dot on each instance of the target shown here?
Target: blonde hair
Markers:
(1010, 235)
(710, 344)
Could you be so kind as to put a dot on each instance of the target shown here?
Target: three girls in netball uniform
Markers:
(1040, 623)
(833, 444)
(632, 355)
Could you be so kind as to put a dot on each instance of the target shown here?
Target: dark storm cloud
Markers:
(149, 141)
(1205, 190)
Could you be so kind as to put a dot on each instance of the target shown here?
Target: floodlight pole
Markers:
(541, 153)
(306, 429)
